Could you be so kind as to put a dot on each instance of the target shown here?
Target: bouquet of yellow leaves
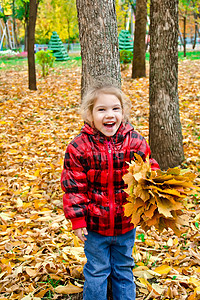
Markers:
(157, 198)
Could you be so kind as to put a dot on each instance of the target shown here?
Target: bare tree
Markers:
(165, 133)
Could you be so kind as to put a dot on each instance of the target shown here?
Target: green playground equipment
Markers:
(56, 45)
(125, 40)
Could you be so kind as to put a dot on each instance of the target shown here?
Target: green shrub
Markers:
(45, 59)
(126, 56)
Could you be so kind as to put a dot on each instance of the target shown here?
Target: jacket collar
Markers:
(117, 138)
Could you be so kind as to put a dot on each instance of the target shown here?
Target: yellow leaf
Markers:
(138, 176)
(192, 297)
(150, 212)
(13, 151)
(139, 158)
(194, 281)
(9, 269)
(132, 207)
(154, 220)
(174, 171)
(146, 283)
(128, 179)
(167, 191)
(37, 173)
(164, 269)
(128, 209)
(197, 291)
(140, 192)
(143, 281)
(150, 242)
(144, 272)
(164, 208)
(178, 182)
(30, 177)
(135, 219)
(19, 202)
(76, 241)
(177, 251)
(173, 225)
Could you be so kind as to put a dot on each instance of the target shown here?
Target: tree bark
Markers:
(7, 34)
(25, 37)
(31, 42)
(165, 133)
(195, 30)
(26, 21)
(99, 42)
(184, 35)
(15, 33)
(139, 48)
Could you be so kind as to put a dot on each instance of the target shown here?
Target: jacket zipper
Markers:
(110, 186)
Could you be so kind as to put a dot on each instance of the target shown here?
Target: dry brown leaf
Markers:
(69, 289)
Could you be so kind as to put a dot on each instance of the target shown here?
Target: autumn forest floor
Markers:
(39, 253)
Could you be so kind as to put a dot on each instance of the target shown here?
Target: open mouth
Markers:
(109, 125)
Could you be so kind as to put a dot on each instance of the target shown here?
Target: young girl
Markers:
(94, 164)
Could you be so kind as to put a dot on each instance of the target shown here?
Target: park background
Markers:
(61, 16)
(40, 256)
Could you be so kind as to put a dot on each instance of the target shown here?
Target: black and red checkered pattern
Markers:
(92, 178)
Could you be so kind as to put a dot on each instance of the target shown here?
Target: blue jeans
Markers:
(109, 255)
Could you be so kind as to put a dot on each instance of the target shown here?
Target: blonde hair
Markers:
(92, 95)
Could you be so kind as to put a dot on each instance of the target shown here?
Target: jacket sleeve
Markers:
(144, 150)
(74, 184)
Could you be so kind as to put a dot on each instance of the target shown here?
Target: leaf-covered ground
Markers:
(38, 251)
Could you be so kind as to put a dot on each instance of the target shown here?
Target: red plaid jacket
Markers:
(92, 178)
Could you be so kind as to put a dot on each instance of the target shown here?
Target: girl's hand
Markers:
(80, 233)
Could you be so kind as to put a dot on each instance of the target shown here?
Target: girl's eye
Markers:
(116, 108)
(101, 109)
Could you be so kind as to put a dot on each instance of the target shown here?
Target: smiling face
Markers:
(107, 114)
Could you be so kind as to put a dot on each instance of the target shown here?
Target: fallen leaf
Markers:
(68, 289)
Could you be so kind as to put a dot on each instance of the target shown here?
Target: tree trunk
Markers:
(7, 34)
(15, 33)
(165, 134)
(26, 36)
(139, 49)
(31, 42)
(26, 21)
(184, 35)
(68, 29)
(99, 42)
(195, 31)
